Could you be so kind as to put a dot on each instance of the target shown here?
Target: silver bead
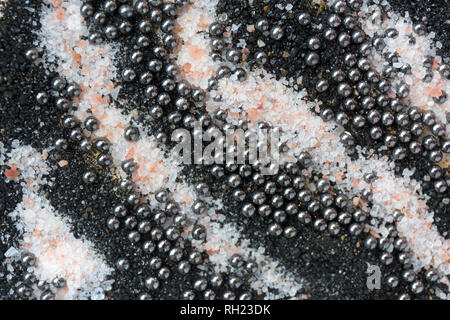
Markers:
(144, 227)
(155, 263)
(216, 281)
(322, 85)
(402, 91)
(28, 259)
(390, 141)
(130, 222)
(344, 39)
(276, 33)
(126, 11)
(334, 20)
(42, 98)
(87, 10)
(330, 34)
(200, 285)
(404, 296)
(111, 32)
(379, 44)
(359, 216)
(216, 29)
(152, 283)
(102, 145)
(198, 95)
(349, 22)
(125, 27)
(350, 59)
(113, 223)
(189, 295)
(89, 177)
(358, 36)
(32, 54)
(320, 225)
(329, 214)
(440, 186)
(290, 232)
(313, 43)
(387, 119)
(334, 228)
(199, 233)
(99, 18)
(419, 29)
(409, 275)
(120, 211)
(312, 59)
(184, 267)
(261, 58)
(61, 144)
(415, 147)
(59, 282)
(126, 185)
(376, 133)
(387, 258)
(446, 146)
(354, 75)
(76, 134)
(435, 156)
(123, 264)
(373, 77)
(392, 281)
(167, 26)
(134, 236)
(95, 38)
(370, 243)
(110, 6)
(304, 217)
(431, 275)
(70, 122)
(91, 123)
(430, 142)
(164, 273)
(148, 246)
(374, 116)
(240, 74)
(228, 295)
(399, 153)
(279, 216)
(417, 287)
(63, 103)
(338, 75)
(128, 75)
(355, 4)
(85, 145)
(47, 295)
(141, 7)
(355, 229)
(344, 89)
(170, 41)
(304, 18)
(363, 88)
(438, 129)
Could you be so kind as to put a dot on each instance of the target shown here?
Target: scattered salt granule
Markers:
(263, 98)
(154, 171)
(92, 67)
(47, 235)
(414, 54)
(194, 54)
(225, 240)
